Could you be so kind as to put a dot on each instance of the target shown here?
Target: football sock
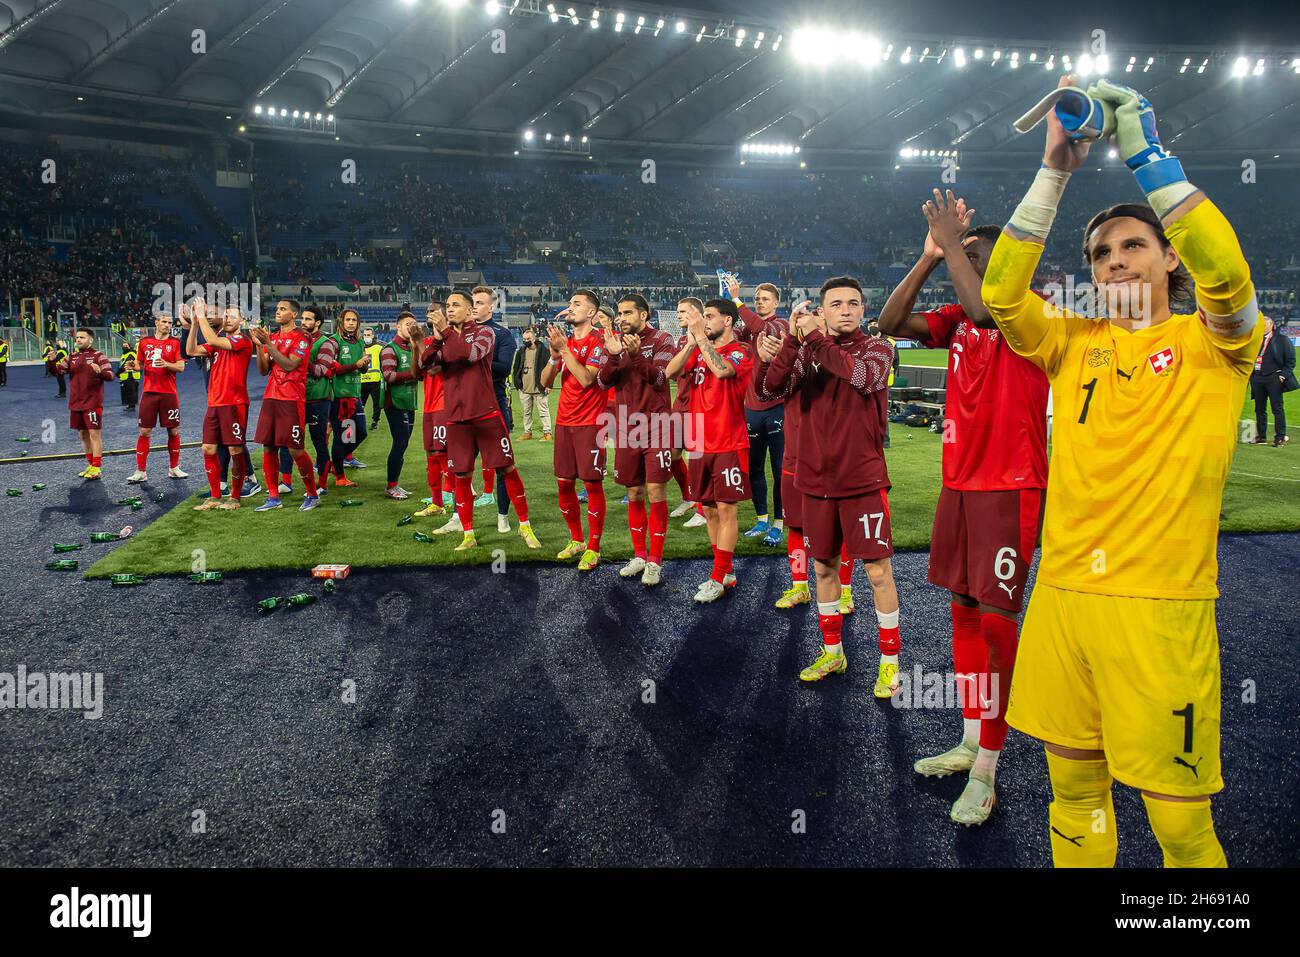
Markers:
(212, 466)
(999, 633)
(1082, 813)
(569, 508)
(306, 470)
(760, 518)
(595, 514)
(658, 529)
(636, 525)
(237, 475)
(830, 623)
(433, 471)
(969, 660)
(515, 489)
(890, 642)
(174, 450)
(96, 460)
(465, 501)
(489, 479)
(271, 471)
(846, 567)
(680, 476)
(721, 564)
(141, 452)
(1185, 830)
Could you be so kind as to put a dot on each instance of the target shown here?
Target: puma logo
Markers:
(1126, 375)
(1009, 589)
(1191, 767)
(1073, 840)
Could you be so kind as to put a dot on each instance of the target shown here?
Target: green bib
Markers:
(402, 394)
(347, 385)
(317, 388)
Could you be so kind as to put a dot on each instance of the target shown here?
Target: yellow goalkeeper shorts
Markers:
(1137, 678)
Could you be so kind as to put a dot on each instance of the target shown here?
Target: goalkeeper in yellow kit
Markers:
(1118, 666)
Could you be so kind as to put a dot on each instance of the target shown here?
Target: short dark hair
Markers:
(405, 314)
(294, 305)
(987, 231)
(694, 301)
(637, 300)
(841, 282)
(316, 311)
(725, 306)
(1181, 285)
(463, 294)
(595, 299)
(86, 329)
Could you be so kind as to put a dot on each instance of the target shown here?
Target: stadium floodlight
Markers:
(1240, 67)
(1187, 61)
(1103, 63)
(618, 21)
(997, 55)
(681, 26)
(1296, 69)
(528, 136)
(257, 110)
(1033, 56)
(566, 137)
(243, 128)
(453, 4)
(1131, 61)
(295, 114)
(1150, 60)
(640, 22)
(1085, 65)
(1259, 67)
(330, 118)
(284, 111)
(959, 58)
(492, 8)
(573, 16)
(659, 25)
(759, 41)
(1015, 60)
(1204, 64)
(548, 137)
(905, 56)
(318, 117)
(979, 54)
(1051, 62)
(584, 139)
(777, 44)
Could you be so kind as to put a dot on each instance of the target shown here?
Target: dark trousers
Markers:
(63, 384)
(1268, 389)
(4, 373)
(400, 423)
(130, 393)
(370, 393)
(354, 428)
(766, 440)
(318, 420)
(503, 499)
(223, 456)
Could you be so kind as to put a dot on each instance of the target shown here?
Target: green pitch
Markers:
(1261, 496)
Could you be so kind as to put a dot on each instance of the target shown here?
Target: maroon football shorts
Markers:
(87, 419)
(435, 431)
(225, 425)
(983, 542)
(486, 437)
(633, 467)
(579, 453)
(719, 477)
(281, 423)
(159, 408)
(791, 501)
(859, 523)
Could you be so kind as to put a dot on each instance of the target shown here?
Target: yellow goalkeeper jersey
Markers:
(1145, 422)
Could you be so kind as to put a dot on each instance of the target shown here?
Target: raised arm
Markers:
(896, 317)
(949, 218)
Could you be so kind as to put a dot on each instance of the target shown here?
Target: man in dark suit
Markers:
(1274, 375)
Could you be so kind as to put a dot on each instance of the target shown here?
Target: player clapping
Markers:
(281, 422)
(840, 376)
(89, 370)
(226, 421)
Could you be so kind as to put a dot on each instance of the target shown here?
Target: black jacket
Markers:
(1278, 359)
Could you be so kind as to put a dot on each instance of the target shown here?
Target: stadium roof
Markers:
(479, 76)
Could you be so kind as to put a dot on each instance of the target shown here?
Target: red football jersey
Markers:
(579, 406)
(153, 350)
(434, 399)
(719, 404)
(228, 380)
(995, 433)
(291, 386)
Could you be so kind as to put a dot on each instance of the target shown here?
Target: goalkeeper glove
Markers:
(1159, 174)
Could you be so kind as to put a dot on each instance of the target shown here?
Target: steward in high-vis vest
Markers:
(128, 379)
(4, 363)
(347, 416)
(372, 380)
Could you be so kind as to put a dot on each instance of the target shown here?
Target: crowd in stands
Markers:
(405, 223)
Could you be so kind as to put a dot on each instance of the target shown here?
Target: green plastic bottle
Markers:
(351, 503)
(270, 604)
(200, 578)
(38, 486)
(405, 520)
(13, 492)
(329, 586)
(104, 537)
(421, 537)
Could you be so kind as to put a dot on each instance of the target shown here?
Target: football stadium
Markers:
(451, 434)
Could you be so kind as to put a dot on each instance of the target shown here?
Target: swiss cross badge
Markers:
(1162, 360)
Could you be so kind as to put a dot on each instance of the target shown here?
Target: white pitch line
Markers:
(1271, 478)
